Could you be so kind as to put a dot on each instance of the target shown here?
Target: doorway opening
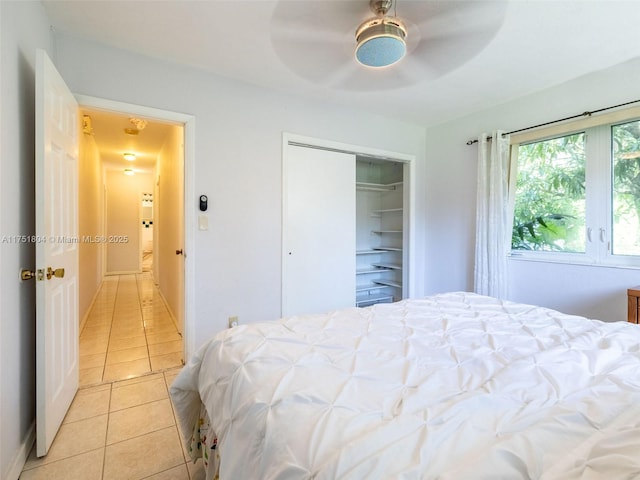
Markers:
(132, 270)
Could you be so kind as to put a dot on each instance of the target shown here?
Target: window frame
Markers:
(599, 193)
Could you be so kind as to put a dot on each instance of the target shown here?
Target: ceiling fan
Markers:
(381, 40)
(323, 41)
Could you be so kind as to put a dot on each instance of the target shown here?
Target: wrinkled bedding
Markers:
(452, 386)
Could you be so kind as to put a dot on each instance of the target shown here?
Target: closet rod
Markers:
(584, 114)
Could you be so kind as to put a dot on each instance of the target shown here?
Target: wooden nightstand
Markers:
(633, 300)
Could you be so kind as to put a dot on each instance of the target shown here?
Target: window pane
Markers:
(550, 196)
(626, 188)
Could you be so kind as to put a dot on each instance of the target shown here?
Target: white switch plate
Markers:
(203, 222)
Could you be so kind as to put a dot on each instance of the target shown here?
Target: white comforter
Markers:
(454, 386)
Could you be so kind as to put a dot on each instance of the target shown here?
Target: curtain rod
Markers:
(584, 114)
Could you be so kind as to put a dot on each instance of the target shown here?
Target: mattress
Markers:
(452, 386)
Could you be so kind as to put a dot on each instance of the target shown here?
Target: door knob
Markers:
(58, 273)
(179, 252)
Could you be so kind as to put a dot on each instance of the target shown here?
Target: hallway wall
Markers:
(124, 197)
(90, 223)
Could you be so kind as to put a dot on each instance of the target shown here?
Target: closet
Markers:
(344, 239)
(380, 239)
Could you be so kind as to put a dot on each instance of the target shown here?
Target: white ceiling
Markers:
(464, 56)
(108, 131)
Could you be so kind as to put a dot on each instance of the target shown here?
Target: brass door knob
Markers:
(58, 273)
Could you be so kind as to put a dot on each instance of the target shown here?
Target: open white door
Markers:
(56, 251)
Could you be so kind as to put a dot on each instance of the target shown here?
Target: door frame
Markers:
(189, 123)
(409, 160)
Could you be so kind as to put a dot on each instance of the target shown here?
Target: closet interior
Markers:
(380, 231)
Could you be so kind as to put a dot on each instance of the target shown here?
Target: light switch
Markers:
(203, 222)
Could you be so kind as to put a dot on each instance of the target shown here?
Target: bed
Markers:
(451, 386)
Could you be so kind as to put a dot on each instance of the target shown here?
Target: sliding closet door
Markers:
(318, 231)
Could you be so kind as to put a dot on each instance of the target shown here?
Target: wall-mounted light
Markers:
(86, 125)
(129, 171)
(129, 156)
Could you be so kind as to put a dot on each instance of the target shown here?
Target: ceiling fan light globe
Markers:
(380, 42)
(380, 51)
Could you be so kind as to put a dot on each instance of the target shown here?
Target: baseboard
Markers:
(171, 314)
(122, 272)
(21, 457)
(85, 317)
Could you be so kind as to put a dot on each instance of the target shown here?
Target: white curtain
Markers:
(493, 236)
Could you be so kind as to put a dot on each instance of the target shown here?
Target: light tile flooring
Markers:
(129, 332)
(121, 424)
(118, 431)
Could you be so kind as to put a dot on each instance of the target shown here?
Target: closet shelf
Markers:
(373, 299)
(388, 266)
(388, 210)
(378, 250)
(369, 287)
(365, 271)
(377, 187)
(386, 231)
(388, 283)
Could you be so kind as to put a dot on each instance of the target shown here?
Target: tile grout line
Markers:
(106, 430)
(113, 313)
(144, 325)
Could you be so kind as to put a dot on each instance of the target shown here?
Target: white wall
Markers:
(238, 166)
(24, 27)
(123, 220)
(597, 292)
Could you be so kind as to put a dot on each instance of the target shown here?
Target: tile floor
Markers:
(121, 424)
(128, 332)
(123, 430)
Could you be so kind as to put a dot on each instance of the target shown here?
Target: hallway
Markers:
(128, 333)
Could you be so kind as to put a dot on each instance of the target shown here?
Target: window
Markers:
(626, 188)
(549, 212)
(577, 195)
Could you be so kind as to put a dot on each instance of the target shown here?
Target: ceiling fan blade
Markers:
(367, 79)
(452, 15)
(442, 53)
(313, 60)
(444, 35)
(316, 39)
(317, 17)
